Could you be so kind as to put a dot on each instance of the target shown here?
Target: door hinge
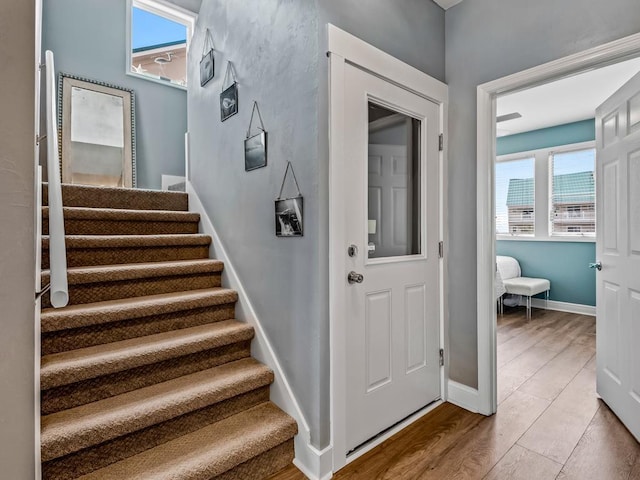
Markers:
(442, 357)
(441, 249)
(441, 142)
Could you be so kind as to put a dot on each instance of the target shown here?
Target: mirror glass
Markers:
(97, 142)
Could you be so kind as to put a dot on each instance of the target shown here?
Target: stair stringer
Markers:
(315, 464)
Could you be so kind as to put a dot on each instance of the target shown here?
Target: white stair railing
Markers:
(59, 289)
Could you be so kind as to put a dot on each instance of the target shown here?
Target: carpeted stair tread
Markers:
(124, 198)
(138, 241)
(85, 250)
(110, 221)
(208, 452)
(130, 271)
(91, 362)
(126, 215)
(78, 428)
(77, 316)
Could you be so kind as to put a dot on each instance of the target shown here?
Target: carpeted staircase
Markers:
(146, 374)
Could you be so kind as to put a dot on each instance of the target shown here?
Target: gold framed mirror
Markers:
(97, 132)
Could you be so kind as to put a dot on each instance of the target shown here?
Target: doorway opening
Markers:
(536, 200)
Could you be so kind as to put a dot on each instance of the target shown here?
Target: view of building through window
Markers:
(570, 189)
(515, 197)
(573, 192)
(158, 45)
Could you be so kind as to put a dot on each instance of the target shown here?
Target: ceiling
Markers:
(447, 3)
(563, 101)
(191, 5)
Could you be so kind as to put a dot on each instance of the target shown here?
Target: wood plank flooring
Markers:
(550, 423)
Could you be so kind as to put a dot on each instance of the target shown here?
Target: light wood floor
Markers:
(550, 423)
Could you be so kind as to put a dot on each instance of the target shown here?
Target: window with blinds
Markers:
(515, 196)
(573, 192)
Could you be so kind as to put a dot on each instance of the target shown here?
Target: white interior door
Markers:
(618, 251)
(392, 205)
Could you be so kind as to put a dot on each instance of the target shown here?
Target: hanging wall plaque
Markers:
(289, 210)
(255, 146)
(229, 95)
(207, 62)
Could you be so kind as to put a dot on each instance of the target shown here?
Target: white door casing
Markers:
(618, 251)
(393, 321)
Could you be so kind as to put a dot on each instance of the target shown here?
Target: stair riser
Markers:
(71, 339)
(81, 393)
(262, 466)
(100, 292)
(91, 459)
(79, 196)
(86, 257)
(108, 227)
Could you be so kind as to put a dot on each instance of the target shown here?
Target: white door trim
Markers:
(345, 48)
(486, 133)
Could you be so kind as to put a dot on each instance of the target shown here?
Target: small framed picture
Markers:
(206, 68)
(289, 217)
(255, 152)
(229, 102)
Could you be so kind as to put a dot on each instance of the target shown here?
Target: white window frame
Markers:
(542, 194)
(169, 11)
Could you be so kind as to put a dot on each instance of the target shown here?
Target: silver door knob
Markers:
(597, 265)
(354, 277)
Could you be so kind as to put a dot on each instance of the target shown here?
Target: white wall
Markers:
(485, 40)
(17, 264)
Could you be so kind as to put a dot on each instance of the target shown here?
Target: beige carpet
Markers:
(146, 374)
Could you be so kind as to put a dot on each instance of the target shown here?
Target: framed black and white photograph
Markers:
(255, 152)
(289, 217)
(229, 102)
(206, 68)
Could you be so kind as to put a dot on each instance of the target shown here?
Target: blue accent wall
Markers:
(565, 264)
(566, 134)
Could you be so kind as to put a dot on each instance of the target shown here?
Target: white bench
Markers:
(512, 282)
(528, 287)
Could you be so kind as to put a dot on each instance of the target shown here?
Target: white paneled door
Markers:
(618, 253)
(392, 224)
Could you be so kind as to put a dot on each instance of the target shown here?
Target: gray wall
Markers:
(17, 264)
(411, 30)
(485, 40)
(274, 48)
(88, 38)
(278, 48)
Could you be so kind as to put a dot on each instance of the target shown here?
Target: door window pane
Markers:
(573, 193)
(515, 197)
(394, 188)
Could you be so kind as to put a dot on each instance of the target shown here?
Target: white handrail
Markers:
(59, 291)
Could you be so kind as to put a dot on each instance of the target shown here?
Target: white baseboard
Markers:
(563, 306)
(463, 396)
(315, 464)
